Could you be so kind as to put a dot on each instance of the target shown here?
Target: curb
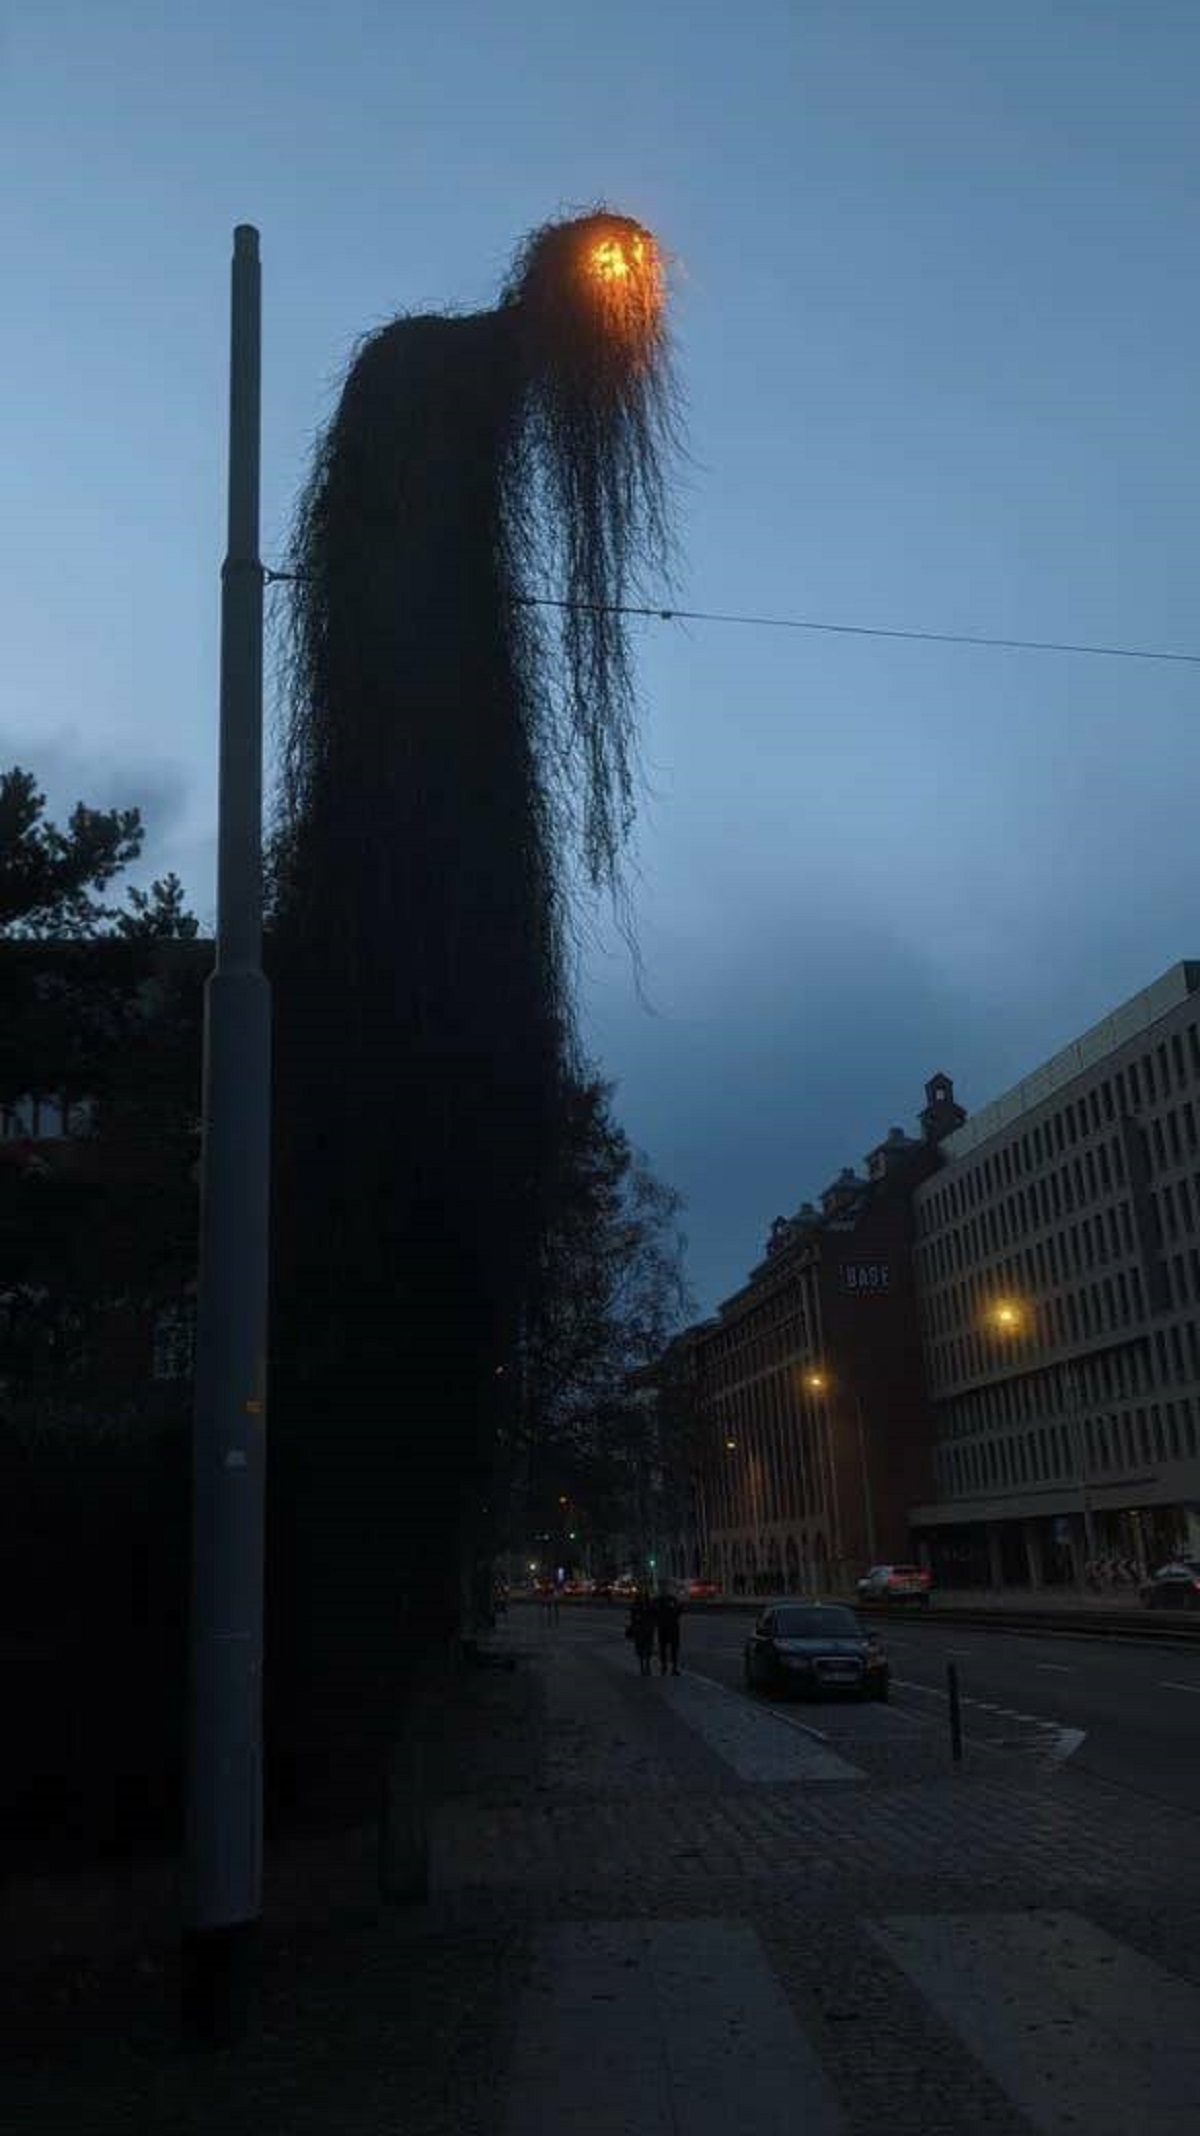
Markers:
(1160, 1628)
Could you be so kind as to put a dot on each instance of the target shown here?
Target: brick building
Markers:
(1058, 1265)
(811, 1426)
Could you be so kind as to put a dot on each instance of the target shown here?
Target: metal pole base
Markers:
(219, 1985)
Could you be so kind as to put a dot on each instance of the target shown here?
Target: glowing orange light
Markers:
(614, 261)
(624, 270)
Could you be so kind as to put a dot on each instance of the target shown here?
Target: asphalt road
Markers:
(1127, 1712)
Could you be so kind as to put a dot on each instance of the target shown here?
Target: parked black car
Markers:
(1173, 1586)
(811, 1647)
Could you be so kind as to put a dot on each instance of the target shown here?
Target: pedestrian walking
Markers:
(640, 1629)
(666, 1618)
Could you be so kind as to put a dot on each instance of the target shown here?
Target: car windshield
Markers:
(816, 1623)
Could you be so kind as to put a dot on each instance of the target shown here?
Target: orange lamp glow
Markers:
(623, 268)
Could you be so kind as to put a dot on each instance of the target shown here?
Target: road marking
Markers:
(1077, 2029)
(1165, 1685)
(742, 1734)
(789, 1720)
(1065, 1741)
(656, 2026)
(1055, 1668)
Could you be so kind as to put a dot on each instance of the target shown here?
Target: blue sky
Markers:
(936, 312)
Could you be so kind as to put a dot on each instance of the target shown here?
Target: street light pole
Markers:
(222, 1886)
(1009, 1317)
(1070, 1386)
(868, 1494)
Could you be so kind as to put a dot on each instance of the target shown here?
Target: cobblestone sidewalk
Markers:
(658, 1908)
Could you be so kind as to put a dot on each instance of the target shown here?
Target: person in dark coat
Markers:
(641, 1629)
(666, 1619)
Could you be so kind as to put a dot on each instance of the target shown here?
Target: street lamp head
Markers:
(1007, 1316)
(594, 290)
(730, 1446)
(816, 1382)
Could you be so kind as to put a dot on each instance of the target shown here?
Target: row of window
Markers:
(1033, 1271)
(776, 1468)
(1103, 1307)
(1170, 1356)
(1048, 1200)
(774, 1334)
(40, 1118)
(1163, 1071)
(1115, 1444)
(1045, 1201)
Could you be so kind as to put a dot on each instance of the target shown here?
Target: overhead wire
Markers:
(842, 630)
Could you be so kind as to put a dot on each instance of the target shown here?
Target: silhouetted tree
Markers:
(448, 751)
(48, 876)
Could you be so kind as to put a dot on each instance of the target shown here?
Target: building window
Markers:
(174, 1342)
(1177, 1057)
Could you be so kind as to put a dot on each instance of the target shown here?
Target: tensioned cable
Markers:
(839, 630)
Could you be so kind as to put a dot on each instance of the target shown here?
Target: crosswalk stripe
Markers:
(646, 2028)
(1076, 2028)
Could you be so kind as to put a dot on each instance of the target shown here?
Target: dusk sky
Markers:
(936, 312)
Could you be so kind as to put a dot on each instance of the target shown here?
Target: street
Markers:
(1136, 1704)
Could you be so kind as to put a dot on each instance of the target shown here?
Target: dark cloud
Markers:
(772, 1067)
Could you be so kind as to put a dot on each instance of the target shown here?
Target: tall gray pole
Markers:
(1070, 1385)
(223, 1866)
(868, 1494)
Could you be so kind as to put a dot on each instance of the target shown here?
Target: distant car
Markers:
(895, 1583)
(702, 1590)
(1173, 1586)
(810, 1647)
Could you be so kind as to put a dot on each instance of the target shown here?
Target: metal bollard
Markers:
(955, 1713)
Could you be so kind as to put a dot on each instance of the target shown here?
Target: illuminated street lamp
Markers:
(1012, 1317)
(820, 1383)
